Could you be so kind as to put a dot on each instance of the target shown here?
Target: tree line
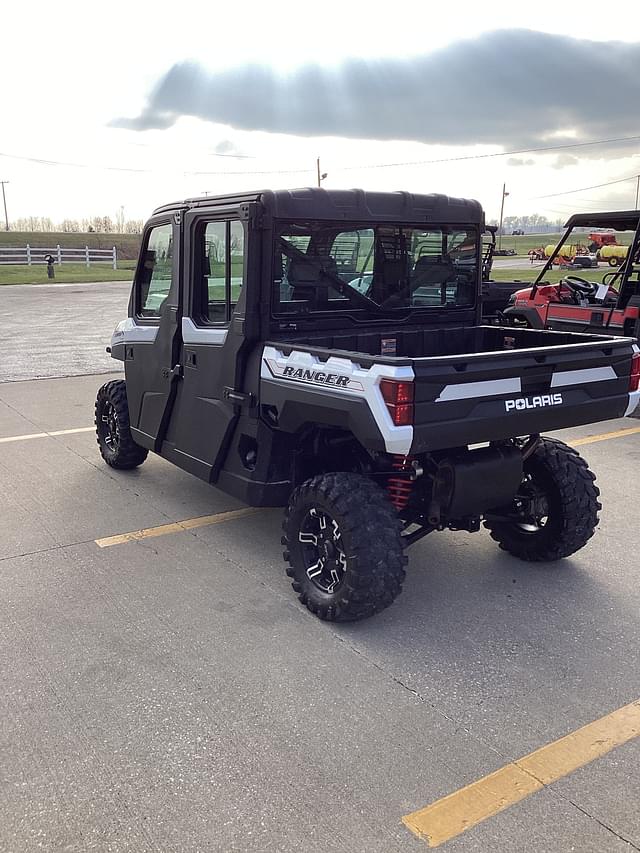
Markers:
(90, 225)
(529, 222)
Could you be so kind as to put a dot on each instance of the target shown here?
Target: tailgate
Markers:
(468, 399)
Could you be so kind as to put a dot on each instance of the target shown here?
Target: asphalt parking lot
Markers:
(166, 691)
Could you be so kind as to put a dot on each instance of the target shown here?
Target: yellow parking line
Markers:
(23, 437)
(45, 434)
(604, 436)
(175, 527)
(590, 439)
(72, 431)
(465, 808)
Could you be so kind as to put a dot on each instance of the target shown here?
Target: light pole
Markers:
(504, 195)
(637, 191)
(4, 199)
(321, 175)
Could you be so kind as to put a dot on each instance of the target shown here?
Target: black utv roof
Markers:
(620, 220)
(353, 205)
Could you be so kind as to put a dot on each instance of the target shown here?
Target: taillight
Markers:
(634, 379)
(398, 396)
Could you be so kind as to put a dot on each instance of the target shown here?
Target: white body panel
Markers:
(343, 377)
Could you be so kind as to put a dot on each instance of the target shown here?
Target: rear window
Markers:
(322, 267)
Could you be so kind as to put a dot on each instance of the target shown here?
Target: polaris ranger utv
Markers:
(322, 350)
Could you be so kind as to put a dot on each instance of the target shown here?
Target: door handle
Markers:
(172, 373)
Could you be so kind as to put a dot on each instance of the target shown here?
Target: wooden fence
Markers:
(85, 254)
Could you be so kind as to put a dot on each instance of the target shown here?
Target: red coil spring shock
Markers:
(399, 488)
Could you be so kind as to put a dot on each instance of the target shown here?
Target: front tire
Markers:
(344, 547)
(117, 447)
(559, 505)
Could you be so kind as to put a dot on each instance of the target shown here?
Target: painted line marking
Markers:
(605, 436)
(448, 817)
(590, 439)
(175, 527)
(45, 434)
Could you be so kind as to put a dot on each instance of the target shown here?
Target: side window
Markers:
(236, 244)
(215, 252)
(154, 281)
(222, 249)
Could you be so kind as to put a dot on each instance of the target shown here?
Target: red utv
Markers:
(592, 301)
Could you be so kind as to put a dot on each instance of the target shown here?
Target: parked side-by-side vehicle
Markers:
(322, 350)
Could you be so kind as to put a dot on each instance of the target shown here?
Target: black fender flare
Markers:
(530, 315)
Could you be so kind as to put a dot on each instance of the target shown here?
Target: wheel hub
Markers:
(533, 505)
(110, 430)
(323, 551)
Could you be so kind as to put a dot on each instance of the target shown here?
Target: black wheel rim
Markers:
(109, 430)
(325, 561)
(533, 505)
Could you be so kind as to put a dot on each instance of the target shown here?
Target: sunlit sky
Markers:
(70, 71)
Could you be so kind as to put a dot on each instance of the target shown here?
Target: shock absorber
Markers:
(399, 487)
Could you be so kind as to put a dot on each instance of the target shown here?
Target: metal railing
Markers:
(61, 255)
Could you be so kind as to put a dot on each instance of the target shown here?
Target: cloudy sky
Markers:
(134, 104)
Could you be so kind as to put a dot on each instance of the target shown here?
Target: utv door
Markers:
(152, 342)
(213, 342)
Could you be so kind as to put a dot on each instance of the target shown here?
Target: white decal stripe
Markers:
(364, 383)
(488, 388)
(192, 334)
(580, 377)
(130, 332)
(634, 400)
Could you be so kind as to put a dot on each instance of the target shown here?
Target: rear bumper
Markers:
(490, 421)
(634, 400)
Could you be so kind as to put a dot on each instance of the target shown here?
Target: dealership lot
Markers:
(166, 691)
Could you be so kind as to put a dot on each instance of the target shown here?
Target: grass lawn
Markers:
(523, 244)
(37, 274)
(552, 276)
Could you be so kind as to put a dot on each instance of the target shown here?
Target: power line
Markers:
(4, 199)
(45, 162)
(585, 189)
(494, 154)
(66, 164)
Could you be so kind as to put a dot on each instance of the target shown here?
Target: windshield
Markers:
(596, 255)
(366, 269)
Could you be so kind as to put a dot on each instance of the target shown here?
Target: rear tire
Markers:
(559, 483)
(344, 547)
(117, 447)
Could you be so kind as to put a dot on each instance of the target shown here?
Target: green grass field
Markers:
(37, 274)
(552, 277)
(522, 245)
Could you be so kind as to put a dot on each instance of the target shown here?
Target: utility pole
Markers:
(504, 195)
(4, 199)
(637, 190)
(321, 175)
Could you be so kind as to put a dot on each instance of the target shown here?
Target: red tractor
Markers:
(602, 238)
(592, 301)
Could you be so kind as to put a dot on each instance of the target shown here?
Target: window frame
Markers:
(140, 318)
(199, 300)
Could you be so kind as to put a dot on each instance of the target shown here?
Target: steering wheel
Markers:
(580, 285)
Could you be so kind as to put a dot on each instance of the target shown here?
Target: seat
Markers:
(307, 278)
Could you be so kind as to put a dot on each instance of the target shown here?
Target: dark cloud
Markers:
(520, 161)
(508, 87)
